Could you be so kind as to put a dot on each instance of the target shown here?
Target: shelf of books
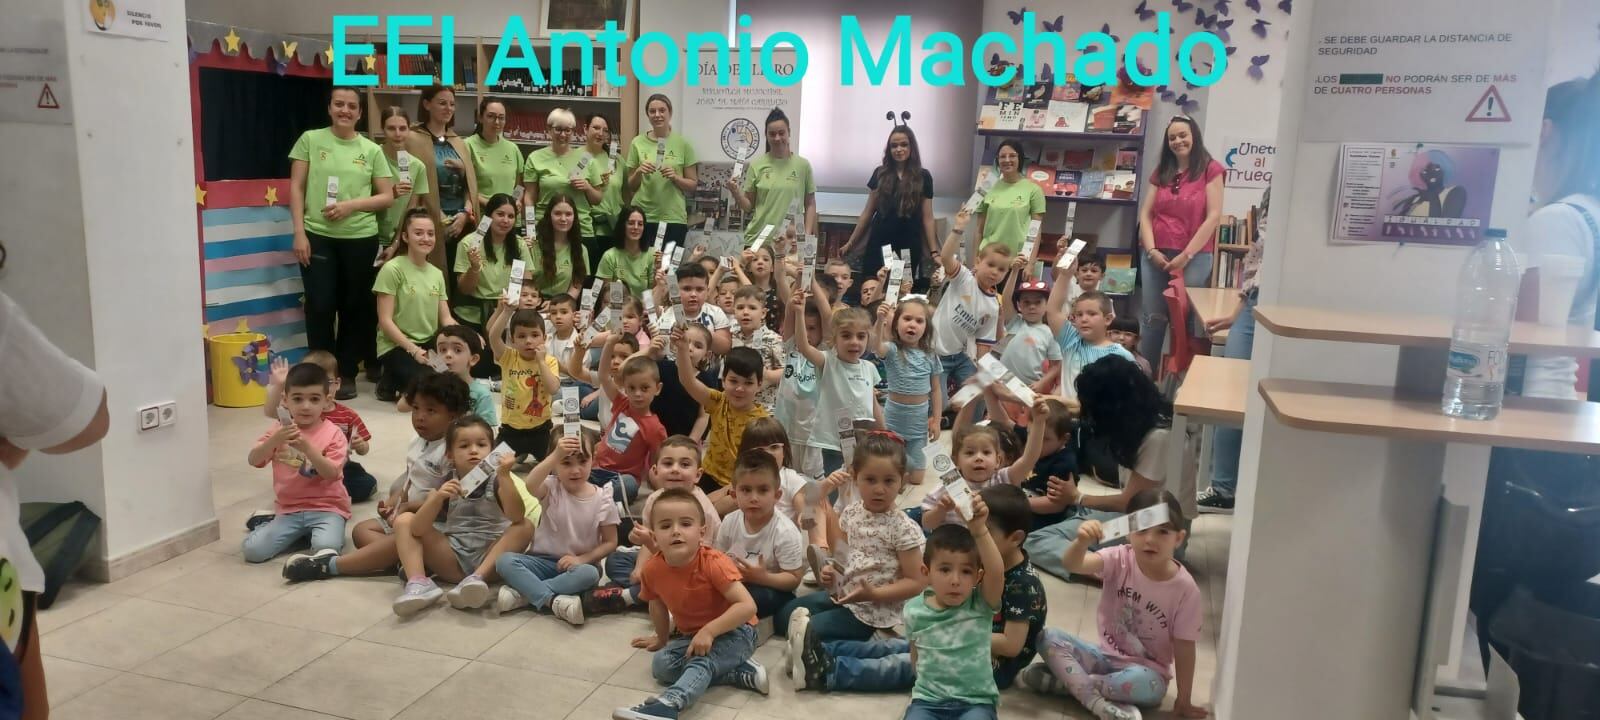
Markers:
(1082, 143)
(1235, 235)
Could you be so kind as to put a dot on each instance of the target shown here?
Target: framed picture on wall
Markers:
(586, 16)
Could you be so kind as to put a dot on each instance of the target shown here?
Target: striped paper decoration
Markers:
(251, 275)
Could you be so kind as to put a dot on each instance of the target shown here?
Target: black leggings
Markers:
(400, 369)
(341, 313)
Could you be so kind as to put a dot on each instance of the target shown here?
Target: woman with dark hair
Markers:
(1005, 212)
(450, 172)
(339, 182)
(662, 168)
(774, 182)
(629, 260)
(496, 160)
(1178, 218)
(483, 265)
(558, 263)
(1122, 429)
(899, 210)
(603, 214)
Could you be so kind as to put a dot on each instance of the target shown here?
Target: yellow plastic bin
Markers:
(240, 367)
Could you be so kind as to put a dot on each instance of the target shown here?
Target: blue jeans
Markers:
(619, 567)
(1226, 440)
(955, 369)
(620, 483)
(326, 530)
(1153, 319)
(539, 579)
(829, 621)
(688, 677)
(769, 601)
(948, 710)
(870, 665)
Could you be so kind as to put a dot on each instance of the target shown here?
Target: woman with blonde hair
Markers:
(555, 170)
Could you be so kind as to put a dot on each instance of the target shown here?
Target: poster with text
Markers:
(128, 18)
(1248, 162)
(726, 124)
(1415, 192)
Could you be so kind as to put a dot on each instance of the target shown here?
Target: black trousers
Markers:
(341, 313)
(400, 369)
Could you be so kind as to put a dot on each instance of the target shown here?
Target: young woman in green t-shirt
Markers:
(659, 188)
(496, 160)
(339, 182)
(483, 266)
(603, 214)
(774, 182)
(559, 263)
(410, 186)
(411, 305)
(630, 262)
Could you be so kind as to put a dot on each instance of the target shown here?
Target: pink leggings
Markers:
(1088, 673)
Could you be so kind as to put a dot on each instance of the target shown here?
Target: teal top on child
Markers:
(952, 650)
(355, 163)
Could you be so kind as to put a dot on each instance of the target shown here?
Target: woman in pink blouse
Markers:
(1178, 219)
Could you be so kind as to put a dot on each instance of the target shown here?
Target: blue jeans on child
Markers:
(1226, 440)
(540, 580)
(325, 529)
(769, 601)
(870, 665)
(829, 621)
(619, 568)
(955, 369)
(1087, 672)
(949, 710)
(688, 677)
(620, 483)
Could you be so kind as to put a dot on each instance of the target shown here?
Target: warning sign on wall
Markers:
(1490, 108)
(33, 70)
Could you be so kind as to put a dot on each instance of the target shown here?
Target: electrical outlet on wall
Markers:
(149, 418)
(169, 412)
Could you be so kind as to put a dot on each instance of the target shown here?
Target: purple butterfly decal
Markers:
(1231, 50)
(1287, 6)
(1182, 6)
(1260, 28)
(1186, 104)
(1045, 74)
(1203, 20)
(1256, 61)
(1106, 28)
(1253, 5)
(1222, 7)
(994, 59)
(1222, 29)
(1055, 27)
(1143, 11)
(1166, 94)
(1016, 15)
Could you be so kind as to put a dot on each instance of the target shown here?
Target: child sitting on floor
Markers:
(1150, 611)
(357, 481)
(977, 457)
(949, 625)
(632, 431)
(1082, 331)
(460, 347)
(697, 589)
(765, 545)
(307, 454)
(577, 530)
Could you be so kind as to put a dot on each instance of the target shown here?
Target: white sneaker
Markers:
(1106, 710)
(799, 624)
(418, 596)
(471, 593)
(568, 608)
(508, 599)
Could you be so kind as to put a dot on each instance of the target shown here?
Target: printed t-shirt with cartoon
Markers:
(1022, 601)
(527, 402)
(1028, 346)
(629, 440)
(296, 486)
(965, 315)
(723, 434)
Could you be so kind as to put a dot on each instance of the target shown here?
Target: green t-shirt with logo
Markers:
(389, 219)
(497, 165)
(635, 271)
(604, 215)
(551, 171)
(1007, 210)
(562, 280)
(493, 276)
(417, 292)
(356, 162)
(661, 200)
(777, 184)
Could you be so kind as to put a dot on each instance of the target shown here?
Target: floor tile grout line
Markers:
(342, 642)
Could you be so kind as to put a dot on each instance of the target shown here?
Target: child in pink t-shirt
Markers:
(307, 454)
(1149, 613)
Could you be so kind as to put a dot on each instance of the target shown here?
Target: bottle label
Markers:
(1477, 364)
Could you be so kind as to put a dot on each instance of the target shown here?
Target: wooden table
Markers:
(1214, 304)
(1412, 330)
(1213, 393)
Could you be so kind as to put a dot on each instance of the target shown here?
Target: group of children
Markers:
(742, 455)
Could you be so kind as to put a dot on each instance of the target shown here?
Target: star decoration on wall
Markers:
(372, 62)
(329, 55)
(199, 195)
(232, 39)
(272, 195)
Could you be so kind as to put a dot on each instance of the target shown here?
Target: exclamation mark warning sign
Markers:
(1490, 108)
(47, 99)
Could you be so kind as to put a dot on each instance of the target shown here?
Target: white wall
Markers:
(1240, 106)
(112, 272)
(1575, 44)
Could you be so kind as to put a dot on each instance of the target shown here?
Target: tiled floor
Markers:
(207, 636)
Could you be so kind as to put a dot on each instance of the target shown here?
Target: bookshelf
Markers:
(1063, 135)
(1235, 235)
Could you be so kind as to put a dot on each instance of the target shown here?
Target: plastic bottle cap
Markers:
(1494, 233)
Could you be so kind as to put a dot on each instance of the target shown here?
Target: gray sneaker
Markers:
(1038, 678)
(310, 567)
(471, 593)
(418, 596)
(749, 676)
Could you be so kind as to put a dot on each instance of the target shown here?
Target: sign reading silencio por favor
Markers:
(1248, 163)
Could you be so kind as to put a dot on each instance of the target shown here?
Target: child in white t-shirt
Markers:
(764, 544)
(1029, 341)
(967, 318)
(845, 382)
(796, 405)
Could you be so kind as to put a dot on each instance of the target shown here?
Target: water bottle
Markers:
(1486, 302)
